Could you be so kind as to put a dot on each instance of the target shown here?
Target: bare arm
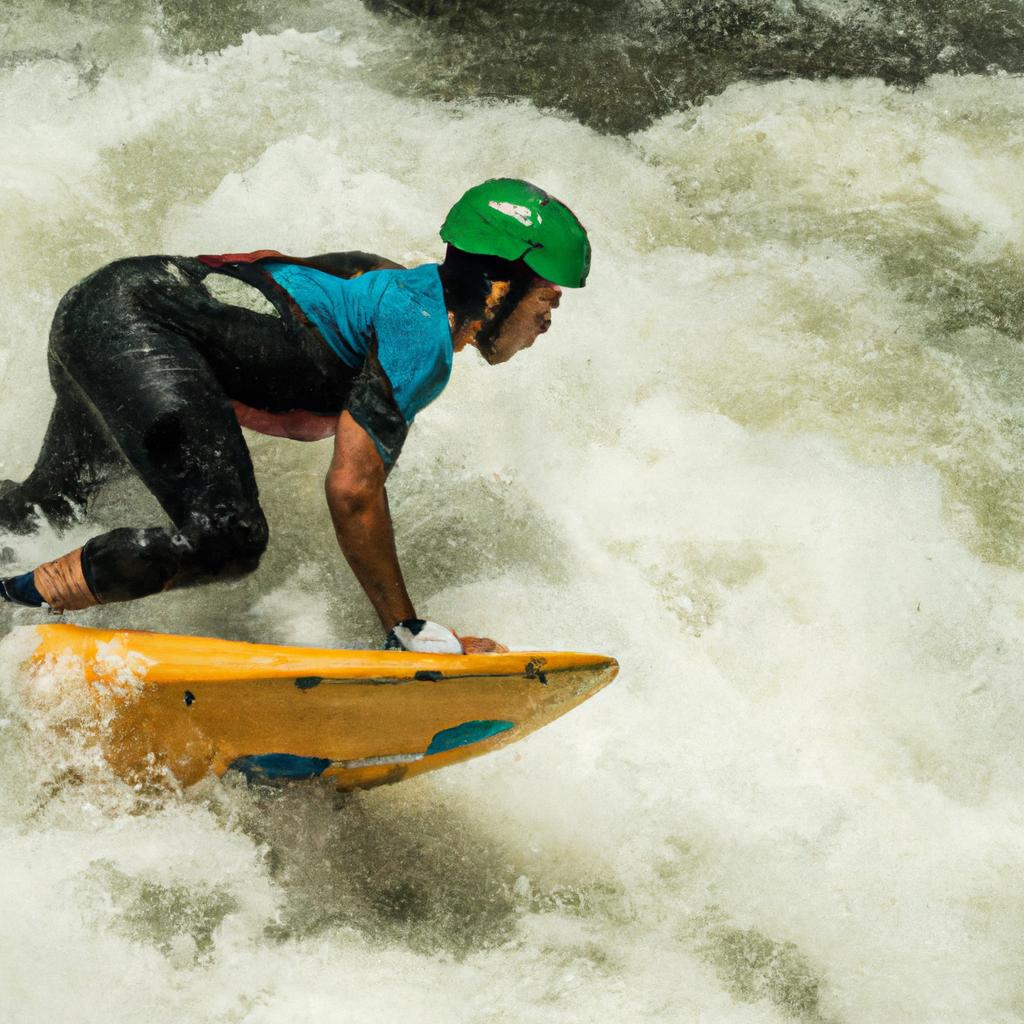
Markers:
(362, 521)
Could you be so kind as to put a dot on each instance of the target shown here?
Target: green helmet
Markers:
(514, 220)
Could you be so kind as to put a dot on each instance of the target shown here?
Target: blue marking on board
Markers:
(463, 735)
(280, 766)
(308, 682)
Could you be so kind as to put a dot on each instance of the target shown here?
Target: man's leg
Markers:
(75, 459)
(160, 402)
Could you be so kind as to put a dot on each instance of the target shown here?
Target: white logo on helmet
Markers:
(523, 214)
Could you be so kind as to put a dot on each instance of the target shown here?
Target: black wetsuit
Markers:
(145, 363)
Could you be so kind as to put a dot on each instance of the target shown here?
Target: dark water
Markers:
(615, 65)
(619, 64)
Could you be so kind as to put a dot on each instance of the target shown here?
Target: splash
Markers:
(770, 458)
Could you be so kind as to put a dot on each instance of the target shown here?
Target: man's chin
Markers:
(492, 355)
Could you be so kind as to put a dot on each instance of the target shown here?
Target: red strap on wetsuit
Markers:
(216, 262)
(297, 424)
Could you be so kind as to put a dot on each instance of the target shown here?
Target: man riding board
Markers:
(151, 370)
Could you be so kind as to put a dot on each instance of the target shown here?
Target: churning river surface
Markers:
(772, 458)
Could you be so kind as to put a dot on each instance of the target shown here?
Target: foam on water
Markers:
(769, 458)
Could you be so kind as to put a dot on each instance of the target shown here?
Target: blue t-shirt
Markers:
(396, 318)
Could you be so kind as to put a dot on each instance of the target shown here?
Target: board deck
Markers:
(194, 705)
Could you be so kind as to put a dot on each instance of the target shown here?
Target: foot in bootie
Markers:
(21, 590)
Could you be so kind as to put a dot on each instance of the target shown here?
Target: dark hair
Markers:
(467, 277)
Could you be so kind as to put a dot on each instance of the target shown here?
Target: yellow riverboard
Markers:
(194, 705)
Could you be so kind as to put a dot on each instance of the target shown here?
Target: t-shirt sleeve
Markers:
(406, 368)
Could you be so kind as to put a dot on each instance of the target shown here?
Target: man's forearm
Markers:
(363, 527)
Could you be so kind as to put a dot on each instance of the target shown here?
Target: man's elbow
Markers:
(350, 494)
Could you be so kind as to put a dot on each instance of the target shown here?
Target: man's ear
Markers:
(499, 289)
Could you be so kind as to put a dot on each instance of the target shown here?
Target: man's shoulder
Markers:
(410, 296)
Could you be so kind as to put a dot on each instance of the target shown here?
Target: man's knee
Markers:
(125, 564)
(227, 545)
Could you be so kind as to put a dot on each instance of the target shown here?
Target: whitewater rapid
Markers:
(770, 458)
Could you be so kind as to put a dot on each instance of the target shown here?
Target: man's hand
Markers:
(422, 637)
(481, 645)
(426, 637)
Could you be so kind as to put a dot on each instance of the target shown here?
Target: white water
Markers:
(770, 458)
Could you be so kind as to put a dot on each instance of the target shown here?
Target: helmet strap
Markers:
(480, 292)
(502, 299)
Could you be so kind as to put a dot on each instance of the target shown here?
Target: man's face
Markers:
(530, 318)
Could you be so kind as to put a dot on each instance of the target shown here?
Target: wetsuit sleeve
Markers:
(406, 368)
(371, 403)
